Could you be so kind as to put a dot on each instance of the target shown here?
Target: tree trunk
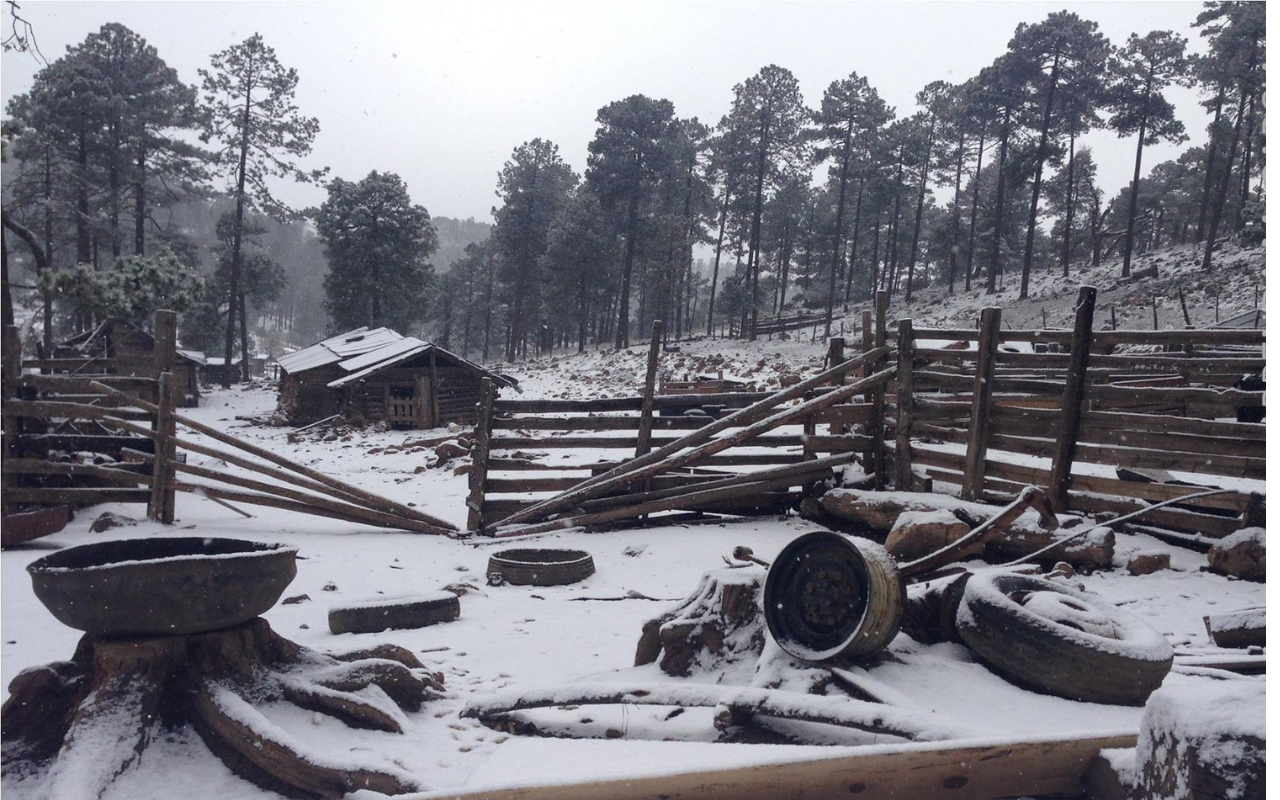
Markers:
(994, 267)
(1071, 207)
(140, 206)
(1247, 167)
(753, 248)
(622, 337)
(237, 239)
(46, 297)
(1041, 152)
(244, 342)
(835, 244)
(955, 219)
(715, 270)
(892, 244)
(84, 241)
(853, 248)
(924, 182)
(973, 210)
(1207, 192)
(1137, 174)
(1225, 185)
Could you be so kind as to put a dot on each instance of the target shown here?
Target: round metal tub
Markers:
(539, 567)
(828, 595)
(162, 586)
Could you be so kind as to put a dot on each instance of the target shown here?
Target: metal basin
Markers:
(162, 586)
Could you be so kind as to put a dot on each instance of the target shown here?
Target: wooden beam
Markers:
(876, 427)
(435, 391)
(1073, 397)
(480, 456)
(959, 770)
(645, 426)
(976, 450)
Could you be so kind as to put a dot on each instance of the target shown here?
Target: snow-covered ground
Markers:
(511, 637)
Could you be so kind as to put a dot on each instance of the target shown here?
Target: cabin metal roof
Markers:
(338, 348)
(387, 358)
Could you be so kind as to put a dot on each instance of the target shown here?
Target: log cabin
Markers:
(118, 347)
(380, 375)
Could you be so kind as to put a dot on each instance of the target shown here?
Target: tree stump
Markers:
(916, 534)
(719, 625)
(90, 718)
(1209, 740)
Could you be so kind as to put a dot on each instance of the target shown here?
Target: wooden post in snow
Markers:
(1072, 398)
(162, 502)
(645, 430)
(422, 394)
(876, 428)
(906, 405)
(835, 355)
(868, 340)
(11, 364)
(480, 456)
(975, 457)
(435, 391)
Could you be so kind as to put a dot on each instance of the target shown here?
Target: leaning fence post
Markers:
(480, 456)
(975, 457)
(11, 366)
(877, 396)
(867, 341)
(906, 404)
(1073, 396)
(835, 355)
(644, 430)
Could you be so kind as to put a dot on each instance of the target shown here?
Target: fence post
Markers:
(644, 430)
(867, 341)
(877, 396)
(161, 506)
(975, 457)
(11, 363)
(435, 390)
(423, 392)
(1073, 396)
(906, 404)
(835, 355)
(480, 456)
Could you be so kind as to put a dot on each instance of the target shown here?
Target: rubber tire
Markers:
(539, 567)
(411, 612)
(1042, 654)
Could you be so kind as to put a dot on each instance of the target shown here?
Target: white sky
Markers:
(442, 92)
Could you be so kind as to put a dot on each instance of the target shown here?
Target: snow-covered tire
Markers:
(1061, 641)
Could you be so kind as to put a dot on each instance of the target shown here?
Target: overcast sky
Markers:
(442, 92)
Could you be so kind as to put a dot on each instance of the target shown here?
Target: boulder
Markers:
(1243, 554)
(107, 520)
(789, 379)
(916, 534)
(1244, 628)
(1148, 561)
(448, 451)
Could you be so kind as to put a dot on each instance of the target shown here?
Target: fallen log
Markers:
(1244, 628)
(363, 517)
(830, 710)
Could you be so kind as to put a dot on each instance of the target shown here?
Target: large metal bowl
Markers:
(162, 586)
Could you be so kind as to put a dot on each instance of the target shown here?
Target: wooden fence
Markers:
(78, 440)
(1100, 418)
(527, 448)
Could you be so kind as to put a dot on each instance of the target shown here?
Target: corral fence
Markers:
(525, 449)
(1109, 421)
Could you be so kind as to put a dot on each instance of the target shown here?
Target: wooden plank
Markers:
(848, 443)
(557, 484)
(64, 410)
(844, 414)
(1183, 442)
(976, 449)
(1246, 431)
(74, 497)
(619, 442)
(480, 456)
(83, 383)
(1072, 397)
(586, 423)
(958, 770)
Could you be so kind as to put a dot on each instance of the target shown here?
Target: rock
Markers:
(718, 626)
(330, 587)
(418, 470)
(916, 534)
(449, 451)
(459, 589)
(462, 469)
(1148, 561)
(381, 426)
(455, 427)
(106, 521)
(1207, 739)
(1243, 554)
(789, 379)
(634, 550)
(297, 598)
(1244, 628)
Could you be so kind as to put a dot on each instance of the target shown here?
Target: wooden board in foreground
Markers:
(956, 771)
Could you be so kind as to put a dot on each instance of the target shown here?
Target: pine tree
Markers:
(377, 242)
(250, 113)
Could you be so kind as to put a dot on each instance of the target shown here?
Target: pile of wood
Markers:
(718, 625)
